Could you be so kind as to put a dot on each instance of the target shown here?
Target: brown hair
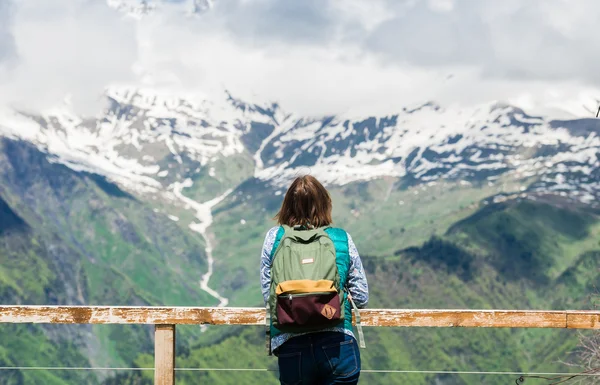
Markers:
(306, 203)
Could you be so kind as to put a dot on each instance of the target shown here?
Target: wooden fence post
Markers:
(164, 355)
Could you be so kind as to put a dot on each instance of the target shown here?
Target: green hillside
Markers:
(74, 238)
(504, 256)
(70, 237)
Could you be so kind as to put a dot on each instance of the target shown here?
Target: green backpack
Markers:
(305, 293)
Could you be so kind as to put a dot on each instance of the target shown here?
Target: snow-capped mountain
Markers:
(158, 145)
(138, 132)
(143, 134)
(430, 142)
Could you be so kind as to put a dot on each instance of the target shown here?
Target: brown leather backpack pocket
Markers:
(301, 307)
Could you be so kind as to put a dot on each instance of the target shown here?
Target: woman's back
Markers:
(317, 344)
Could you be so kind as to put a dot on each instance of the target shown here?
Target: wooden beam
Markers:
(583, 320)
(164, 355)
(131, 315)
(570, 319)
(465, 318)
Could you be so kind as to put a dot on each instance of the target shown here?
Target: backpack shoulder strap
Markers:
(278, 237)
(339, 238)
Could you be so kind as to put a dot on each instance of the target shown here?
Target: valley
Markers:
(492, 212)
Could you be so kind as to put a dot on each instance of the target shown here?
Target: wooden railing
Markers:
(165, 319)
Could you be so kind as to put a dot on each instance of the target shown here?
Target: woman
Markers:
(329, 355)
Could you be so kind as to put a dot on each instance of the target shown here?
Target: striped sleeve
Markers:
(357, 279)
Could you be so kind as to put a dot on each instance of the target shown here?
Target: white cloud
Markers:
(368, 14)
(511, 39)
(441, 5)
(311, 80)
(315, 57)
(6, 38)
(67, 47)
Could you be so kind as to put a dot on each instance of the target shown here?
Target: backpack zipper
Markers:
(291, 296)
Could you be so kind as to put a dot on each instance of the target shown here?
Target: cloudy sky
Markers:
(312, 56)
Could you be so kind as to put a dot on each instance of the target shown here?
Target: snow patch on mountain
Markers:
(146, 140)
(139, 136)
(204, 216)
(67, 138)
(429, 142)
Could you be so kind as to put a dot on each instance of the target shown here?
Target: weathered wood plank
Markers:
(164, 355)
(583, 320)
(256, 316)
(131, 315)
(464, 318)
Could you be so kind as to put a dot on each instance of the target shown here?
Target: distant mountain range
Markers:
(143, 135)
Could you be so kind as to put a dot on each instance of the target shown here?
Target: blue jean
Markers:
(324, 358)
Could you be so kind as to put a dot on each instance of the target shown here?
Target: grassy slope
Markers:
(452, 271)
(86, 241)
(226, 173)
(121, 252)
(380, 218)
(27, 277)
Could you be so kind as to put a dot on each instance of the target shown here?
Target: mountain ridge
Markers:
(143, 135)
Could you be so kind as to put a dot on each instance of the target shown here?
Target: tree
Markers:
(589, 357)
(588, 354)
